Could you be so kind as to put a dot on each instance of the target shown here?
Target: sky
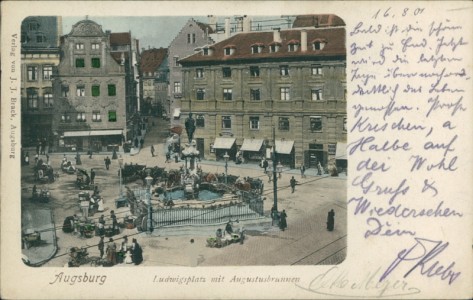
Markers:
(151, 31)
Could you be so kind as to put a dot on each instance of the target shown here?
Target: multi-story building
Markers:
(154, 75)
(193, 35)
(89, 89)
(39, 55)
(291, 80)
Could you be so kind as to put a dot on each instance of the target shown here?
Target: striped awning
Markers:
(251, 145)
(224, 143)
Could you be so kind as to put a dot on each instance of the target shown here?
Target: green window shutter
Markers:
(95, 62)
(112, 116)
(112, 91)
(80, 63)
(95, 90)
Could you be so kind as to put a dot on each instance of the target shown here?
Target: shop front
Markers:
(252, 150)
(95, 140)
(224, 145)
(341, 157)
(284, 153)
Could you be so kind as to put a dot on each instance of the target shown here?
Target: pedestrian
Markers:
(101, 247)
(302, 171)
(293, 184)
(282, 220)
(27, 158)
(265, 165)
(111, 252)
(78, 160)
(142, 141)
(114, 154)
(136, 252)
(114, 222)
(168, 157)
(136, 142)
(330, 220)
(92, 176)
(319, 168)
(228, 227)
(107, 162)
(274, 215)
(152, 151)
(47, 159)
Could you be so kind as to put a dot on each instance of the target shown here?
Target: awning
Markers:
(284, 147)
(224, 143)
(176, 129)
(341, 152)
(92, 132)
(251, 145)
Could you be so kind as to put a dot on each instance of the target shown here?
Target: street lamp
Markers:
(148, 180)
(120, 163)
(275, 178)
(226, 157)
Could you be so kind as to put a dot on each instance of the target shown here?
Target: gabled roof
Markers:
(318, 21)
(334, 38)
(120, 38)
(205, 27)
(151, 59)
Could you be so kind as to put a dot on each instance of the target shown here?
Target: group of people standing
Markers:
(125, 253)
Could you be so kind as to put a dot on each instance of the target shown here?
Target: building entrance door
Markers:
(316, 154)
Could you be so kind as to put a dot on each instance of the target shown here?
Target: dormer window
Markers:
(274, 47)
(229, 50)
(257, 48)
(318, 44)
(292, 46)
(207, 51)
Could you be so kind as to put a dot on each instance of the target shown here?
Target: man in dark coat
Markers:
(293, 184)
(107, 162)
(282, 220)
(92, 176)
(330, 220)
(101, 247)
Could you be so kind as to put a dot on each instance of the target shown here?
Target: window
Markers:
(226, 72)
(33, 26)
(332, 149)
(200, 121)
(80, 63)
(95, 90)
(285, 94)
(227, 94)
(316, 70)
(200, 94)
(176, 61)
(345, 124)
(318, 45)
(95, 46)
(112, 90)
(112, 116)
(317, 94)
(32, 98)
(47, 72)
(40, 38)
(48, 99)
(95, 62)
(227, 51)
(80, 91)
(255, 94)
(292, 47)
(283, 123)
(205, 51)
(65, 91)
(79, 46)
(226, 122)
(256, 49)
(316, 123)
(254, 71)
(191, 38)
(274, 48)
(80, 117)
(32, 73)
(177, 87)
(254, 123)
(96, 117)
(65, 118)
(199, 73)
(284, 70)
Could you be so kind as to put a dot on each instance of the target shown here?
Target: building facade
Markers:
(89, 90)
(292, 81)
(193, 35)
(40, 38)
(155, 76)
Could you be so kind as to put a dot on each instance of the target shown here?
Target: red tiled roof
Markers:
(120, 38)
(334, 37)
(151, 59)
(317, 20)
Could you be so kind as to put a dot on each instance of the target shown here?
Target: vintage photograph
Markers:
(183, 141)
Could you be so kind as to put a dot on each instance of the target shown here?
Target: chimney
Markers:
(276, 35)
(227, 28)
(303, 40)
(246, 24)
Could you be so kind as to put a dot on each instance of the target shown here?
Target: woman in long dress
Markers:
(330, 220)
(137, 253)
(282, 220)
